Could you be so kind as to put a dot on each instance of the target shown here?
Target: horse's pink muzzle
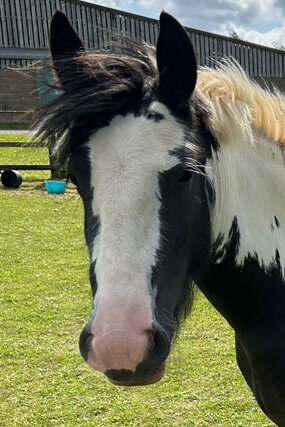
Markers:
(122, 345)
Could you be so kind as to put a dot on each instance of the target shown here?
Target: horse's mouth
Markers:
(157, 376)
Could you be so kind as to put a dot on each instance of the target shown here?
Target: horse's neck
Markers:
(249, 183)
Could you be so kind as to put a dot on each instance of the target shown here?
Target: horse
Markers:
(181, 173)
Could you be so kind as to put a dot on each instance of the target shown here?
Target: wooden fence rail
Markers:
(57, 172)
(24, 24)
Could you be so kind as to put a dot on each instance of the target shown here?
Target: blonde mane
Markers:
(235, 101)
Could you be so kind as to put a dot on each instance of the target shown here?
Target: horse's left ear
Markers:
(64, 44)
(176, 61)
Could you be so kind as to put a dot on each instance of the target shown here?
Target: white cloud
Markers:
(216, 12)
(114, 4)
(274, 37)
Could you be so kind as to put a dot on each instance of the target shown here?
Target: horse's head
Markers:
(136, 149)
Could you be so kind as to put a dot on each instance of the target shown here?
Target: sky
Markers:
(257, 21)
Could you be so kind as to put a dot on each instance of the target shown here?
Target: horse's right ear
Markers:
(64, 42)
(176, 61)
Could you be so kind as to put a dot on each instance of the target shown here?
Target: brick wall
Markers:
(18, 93)
(18, 90)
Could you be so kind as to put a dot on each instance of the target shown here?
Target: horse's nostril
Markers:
(158, 349)
(85, 342)
(161, 344)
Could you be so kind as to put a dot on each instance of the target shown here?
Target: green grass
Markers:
(25, 155)
(45, 300)
(13, 138)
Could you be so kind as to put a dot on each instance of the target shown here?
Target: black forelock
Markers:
(96, 87)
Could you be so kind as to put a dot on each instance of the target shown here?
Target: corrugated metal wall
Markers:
(24, 24)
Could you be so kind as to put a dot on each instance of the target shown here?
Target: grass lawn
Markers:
(45, 301)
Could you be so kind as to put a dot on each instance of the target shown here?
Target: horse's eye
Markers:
(185, 180)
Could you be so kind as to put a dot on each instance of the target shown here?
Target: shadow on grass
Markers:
(14, 126)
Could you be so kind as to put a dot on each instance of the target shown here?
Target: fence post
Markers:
(55, 171)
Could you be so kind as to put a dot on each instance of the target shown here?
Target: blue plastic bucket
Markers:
(55, 187)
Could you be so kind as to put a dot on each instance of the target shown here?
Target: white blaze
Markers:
(126, 158)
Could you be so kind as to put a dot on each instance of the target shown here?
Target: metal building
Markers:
(24, 30)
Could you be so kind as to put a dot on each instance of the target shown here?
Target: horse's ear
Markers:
(64, 42)
(176, 60)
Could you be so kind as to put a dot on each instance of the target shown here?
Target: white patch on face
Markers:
(249, 182)
(126, 159)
